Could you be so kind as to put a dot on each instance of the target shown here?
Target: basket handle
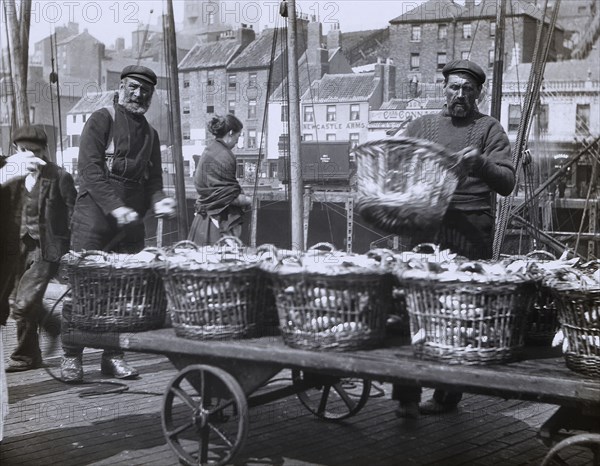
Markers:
(540, 254)
(230, 241)
(185, 244)
(327, 247)
(420, 248)
(94, 252)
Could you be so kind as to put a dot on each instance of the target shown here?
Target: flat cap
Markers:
(139, 72)
(465, 66)
(30, 135)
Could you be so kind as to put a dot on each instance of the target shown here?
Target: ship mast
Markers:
(296, 184)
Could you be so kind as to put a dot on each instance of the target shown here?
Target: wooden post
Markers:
(296, 183)
(18, 29)
(177, 143)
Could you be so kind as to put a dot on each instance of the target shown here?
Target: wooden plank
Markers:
(537, 378)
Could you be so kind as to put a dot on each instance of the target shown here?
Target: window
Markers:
(232, 81)
(354, 140)
(284, 143)
(330, 137)
(582, 119)
(252, 108)
(543, 118)
(186, 83)
(309, 114)
(465, 55)
(492, 28)
(442, 31)
(414, 61)
(441, 60)
(272, 169)
(185, 132)
(415, 33)
(284, 112)
(331, 113)
(186, 107)
(210, 78)
(84, 116)
(514, 117)
(240, 170)
(231, 107)
(251, 139)
(354, 112)
(74, 117)
(252, 80)
(466, 30)
(210, 109)
(307, 137)
(491, 58)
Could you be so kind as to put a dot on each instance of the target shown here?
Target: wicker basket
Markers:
(542, 320)
(405, 184)
(579, 315)
(340, 309)
(213, 301)
(115, 293)
(468, 322)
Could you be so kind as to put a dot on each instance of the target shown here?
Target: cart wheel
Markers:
(205, 416)
(331, 398)
(592, 441)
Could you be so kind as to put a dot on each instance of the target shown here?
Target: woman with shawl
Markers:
(221, 202)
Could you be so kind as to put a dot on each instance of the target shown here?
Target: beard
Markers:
(137, 107)
(459, 108)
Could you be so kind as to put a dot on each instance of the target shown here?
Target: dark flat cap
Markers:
(139, 72)
(465, 66)
(32, 135)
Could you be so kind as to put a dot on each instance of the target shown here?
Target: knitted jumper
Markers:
(496, 174)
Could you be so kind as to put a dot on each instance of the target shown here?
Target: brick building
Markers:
(203, 85)
(436, 32)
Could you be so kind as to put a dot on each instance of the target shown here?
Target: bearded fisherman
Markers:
(120, 179)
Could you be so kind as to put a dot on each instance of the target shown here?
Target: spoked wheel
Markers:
(331, 398)
(591, 441)
(205, 416)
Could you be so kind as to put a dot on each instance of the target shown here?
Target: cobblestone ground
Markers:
(53, 423)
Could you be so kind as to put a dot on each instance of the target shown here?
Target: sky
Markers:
(108, 19)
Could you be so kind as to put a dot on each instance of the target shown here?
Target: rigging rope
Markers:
(531, 100)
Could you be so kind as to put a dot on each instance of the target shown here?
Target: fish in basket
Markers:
(465, 312)
(330, 300)
(542, 319)
(213, 291)
(404, 185)
(577, 294)
(113, 292)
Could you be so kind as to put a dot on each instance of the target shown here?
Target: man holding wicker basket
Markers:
(468, 225)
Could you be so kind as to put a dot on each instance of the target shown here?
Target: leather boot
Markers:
(116, 366)
(71, 369)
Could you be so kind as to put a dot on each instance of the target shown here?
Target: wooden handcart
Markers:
(205, 406)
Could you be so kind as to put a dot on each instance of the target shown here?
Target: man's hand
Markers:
(472, 159)
(165, 207)
(124, 215)
(22, 164)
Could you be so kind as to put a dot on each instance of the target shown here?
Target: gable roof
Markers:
(341, 88)
(431, 11)
(117, 62)
(306, 74)
(444, 10)
(259, 53)
(210, 55)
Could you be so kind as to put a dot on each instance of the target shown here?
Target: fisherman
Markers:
(120, 177)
